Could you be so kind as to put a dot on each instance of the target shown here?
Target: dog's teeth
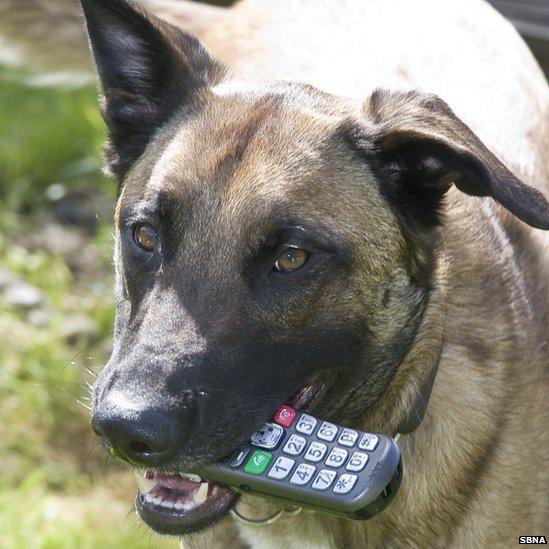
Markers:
(148, 498)
(144, 484)
(168, 504)
(190, 476)
(179, 506)
(201, 494)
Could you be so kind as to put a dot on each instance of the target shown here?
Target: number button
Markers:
(316, 451)
(282, 466)
(268, 436)
(303, 474)
(337, 457)
(348, 437)
(345, 484)
(306, 424)
(368, 442)
(327, 431)
(295, 445)
(258, 462)
(324, 479)
(357, 462)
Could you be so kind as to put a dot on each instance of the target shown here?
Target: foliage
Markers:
(56, 489)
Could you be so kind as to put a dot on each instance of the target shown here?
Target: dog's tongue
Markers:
(177, 488)
(176, 482)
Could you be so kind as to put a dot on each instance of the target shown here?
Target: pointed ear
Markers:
(147, 68)
(418, 148)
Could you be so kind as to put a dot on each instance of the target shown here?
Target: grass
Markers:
(56, 489)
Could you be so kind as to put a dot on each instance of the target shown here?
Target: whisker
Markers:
(77, 400)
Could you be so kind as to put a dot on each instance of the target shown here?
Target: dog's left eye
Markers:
(145, 236)
(291, 259)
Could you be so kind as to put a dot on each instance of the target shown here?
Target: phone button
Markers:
(306, 424)
(258, 462)
(337, 457)
(324, 479)
(295, 445)
(368, 442)
(282, 466)
(345, 484)
(239, 457)
(285, 415)
(303, 474)
(268, 436)
(327, 431)
(316, 451)
(348, 437)
(357, 462)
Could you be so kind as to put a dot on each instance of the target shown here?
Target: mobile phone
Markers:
(314, 464)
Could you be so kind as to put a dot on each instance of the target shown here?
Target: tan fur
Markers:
(465, 468)
(476, 471)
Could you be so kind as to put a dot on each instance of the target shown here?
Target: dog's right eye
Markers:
(145, 236)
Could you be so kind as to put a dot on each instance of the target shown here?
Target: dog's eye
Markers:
(145, 236)
(291, 259)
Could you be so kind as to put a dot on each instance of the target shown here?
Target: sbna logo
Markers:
(538, 540)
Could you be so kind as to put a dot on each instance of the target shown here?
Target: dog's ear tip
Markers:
(541, 220)
(525, 202)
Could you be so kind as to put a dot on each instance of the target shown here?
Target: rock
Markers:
(78, 326)
(7, 278)
(83, 208)
(38, 317)
(86, 260)
(58, 240)
(23, 296)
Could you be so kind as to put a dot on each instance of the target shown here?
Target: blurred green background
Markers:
(57, 489)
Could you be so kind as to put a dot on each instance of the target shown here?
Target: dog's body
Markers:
(465, 469)
(476, 471)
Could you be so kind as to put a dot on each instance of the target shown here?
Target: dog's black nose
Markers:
(144, 436)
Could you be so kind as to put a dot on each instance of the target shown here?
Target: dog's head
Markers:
(273, 242)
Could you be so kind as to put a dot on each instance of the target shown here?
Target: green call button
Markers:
(258, 462)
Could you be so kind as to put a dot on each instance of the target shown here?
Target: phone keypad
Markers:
(337, 457)
(238, 458)
(306, 424)
(268, 436)
(295, 445)
(327, 431)
(258, 462)
(357, 462)
(303, 474)
(281, 468)
(345, 484)
(348, 437)
(368, 442)
(316, 451)
(326, 459)
(285, 415)
(324, 479)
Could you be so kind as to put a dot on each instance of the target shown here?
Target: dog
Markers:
(300, 214)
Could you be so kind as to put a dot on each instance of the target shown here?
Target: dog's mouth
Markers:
(182, 503)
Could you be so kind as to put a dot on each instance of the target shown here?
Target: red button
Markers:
(285, 415)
